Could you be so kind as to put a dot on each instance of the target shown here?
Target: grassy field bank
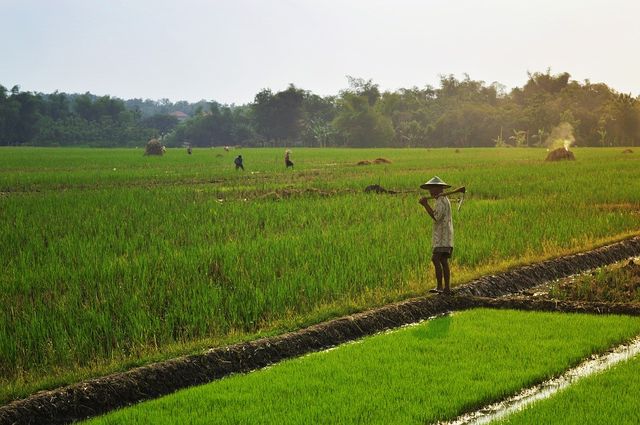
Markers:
(114, 259)
(420, 374)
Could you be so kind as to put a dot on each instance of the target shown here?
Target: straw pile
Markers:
(375, 161)
(154, 148)
(381, 161)
(560, 154)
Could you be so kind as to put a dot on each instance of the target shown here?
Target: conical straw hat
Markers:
(436, 181)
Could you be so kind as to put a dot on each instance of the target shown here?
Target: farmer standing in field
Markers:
(442, 239)
(287, 161)
(238, 162)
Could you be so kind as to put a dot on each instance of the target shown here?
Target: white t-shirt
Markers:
(443, 224)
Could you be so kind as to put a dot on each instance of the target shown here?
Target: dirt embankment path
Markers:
(98, 396)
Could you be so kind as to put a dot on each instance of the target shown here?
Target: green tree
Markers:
(542, 83)
(215, 127)
(460, 112)
(56, 106)
(280, 116)
(362, 124)
(321, 133)
(519, 137)
(467, 90)
(243, 133)
(603, 134)
(470, 124)
(9, 116)
(541, 134)
(162, 123)
(103, 107)
(19, 115)
(83, 107)
(319, 108)
(413, 113)
(360, 87)
(626, 126)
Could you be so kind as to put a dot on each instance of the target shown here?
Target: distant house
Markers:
(180, 115)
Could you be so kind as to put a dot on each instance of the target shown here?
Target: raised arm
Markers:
(458, 190)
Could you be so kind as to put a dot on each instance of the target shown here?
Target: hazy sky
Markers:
(229, 50)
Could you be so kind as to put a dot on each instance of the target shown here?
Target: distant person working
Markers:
(238, 162)
(287, 160)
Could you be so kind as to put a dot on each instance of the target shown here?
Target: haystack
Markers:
(154, 148)
(560, 154)
(381, 161)
(375, 161)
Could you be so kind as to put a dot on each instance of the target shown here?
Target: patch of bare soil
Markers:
(98, 396)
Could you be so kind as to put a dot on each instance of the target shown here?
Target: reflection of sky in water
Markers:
(549, 388)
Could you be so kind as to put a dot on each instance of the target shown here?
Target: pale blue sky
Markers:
(229, 50)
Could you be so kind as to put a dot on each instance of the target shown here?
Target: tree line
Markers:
(458, 113)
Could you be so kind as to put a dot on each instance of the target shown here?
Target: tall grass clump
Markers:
(114, 259)
(619, 283)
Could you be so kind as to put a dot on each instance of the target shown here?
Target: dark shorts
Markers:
(445, 251)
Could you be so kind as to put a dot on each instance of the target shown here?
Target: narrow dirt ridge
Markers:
(465, 302)
(535, 274)
(81, 401)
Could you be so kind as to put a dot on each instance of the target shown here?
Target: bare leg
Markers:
(437, 263)
(446, 274)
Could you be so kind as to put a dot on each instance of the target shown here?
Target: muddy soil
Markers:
(98, 396)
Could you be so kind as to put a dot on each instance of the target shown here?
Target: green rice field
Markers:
(434, 371)
(607, 398)
(112, 259)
